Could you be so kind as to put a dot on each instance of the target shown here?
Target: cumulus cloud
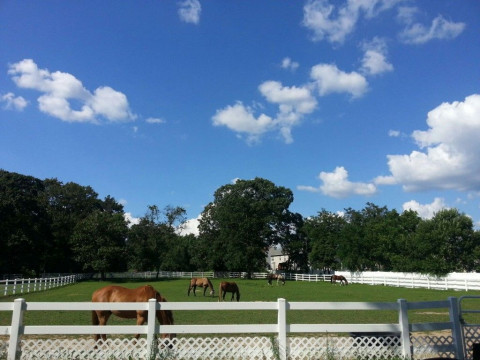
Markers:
(426, 211)
(441, 29)
(60, 88)
(448, 150)
(293, 103)
(329, 79)
(12, 102)
(337, 185)
(374, 61)
(287, 63)
(333, 22)
(241, 119)
(189, 11)
(130, 219)
(190, 227)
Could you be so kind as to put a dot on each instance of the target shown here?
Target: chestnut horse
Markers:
(341, 278)
(201, 282)
(114, 293)
(278, 277)
(231, 287)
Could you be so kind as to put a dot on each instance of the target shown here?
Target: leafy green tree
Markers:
(324, 232)
(149, 240)
(98, 242)
(67, 204)
(293, 241)
(242, 222)
(446, 243)
(24, 225)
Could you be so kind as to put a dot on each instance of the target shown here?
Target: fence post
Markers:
(151, 346)
(17, 321)
(456, 328)
(282, 328)
(405, 328)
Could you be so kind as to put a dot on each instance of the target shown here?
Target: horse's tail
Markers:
(220, 289)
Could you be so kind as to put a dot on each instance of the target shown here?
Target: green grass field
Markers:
(251, 290)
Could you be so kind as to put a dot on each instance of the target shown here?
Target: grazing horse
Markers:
(228, 287)
(278, 277)
(201, 282)
(341, 278)
(114, 293)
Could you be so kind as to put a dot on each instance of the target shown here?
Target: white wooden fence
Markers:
(453, 281)
(21, 286)
(284, 340)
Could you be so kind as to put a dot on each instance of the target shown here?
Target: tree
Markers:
(324, 232)
(149, 240)
(24, 225)
(67, 205)
(445, 243)
(98, 242)
(242, 223)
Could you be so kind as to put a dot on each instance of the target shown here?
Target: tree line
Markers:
(47, 226)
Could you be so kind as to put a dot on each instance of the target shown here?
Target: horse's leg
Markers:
(141, 319)
(102, 317)
(195, 290)
(204, 289)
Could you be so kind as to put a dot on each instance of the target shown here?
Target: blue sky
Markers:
(162, 102)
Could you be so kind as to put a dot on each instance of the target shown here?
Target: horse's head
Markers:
(212, 292)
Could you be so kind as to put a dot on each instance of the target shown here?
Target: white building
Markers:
(275, 257)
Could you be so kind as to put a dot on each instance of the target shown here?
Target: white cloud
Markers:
(287, 63)
(426, 211)
(130, 219)
(189, 11)
(334, 22)
(329, 79)
(190, 227)
(13, 102)
(374, 61)
(394, 133)
(293, 103)
(152, 120)
(442, 29)
(337, 185)
(60, 88)
(451, 150)
(241, 119)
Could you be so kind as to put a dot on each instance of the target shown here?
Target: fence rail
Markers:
(284, 347)
(21, 286)
(453, 281)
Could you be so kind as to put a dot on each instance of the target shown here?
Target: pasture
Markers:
(251, 290)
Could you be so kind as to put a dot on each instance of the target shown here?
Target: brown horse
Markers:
(341, 278)
(114, 293)
(278, 277)
(231, 287)
(201, 282)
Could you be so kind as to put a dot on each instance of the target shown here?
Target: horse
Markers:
(114, 293)
(341, 278)
(231, 287)
(201, 282)
(278, 277)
